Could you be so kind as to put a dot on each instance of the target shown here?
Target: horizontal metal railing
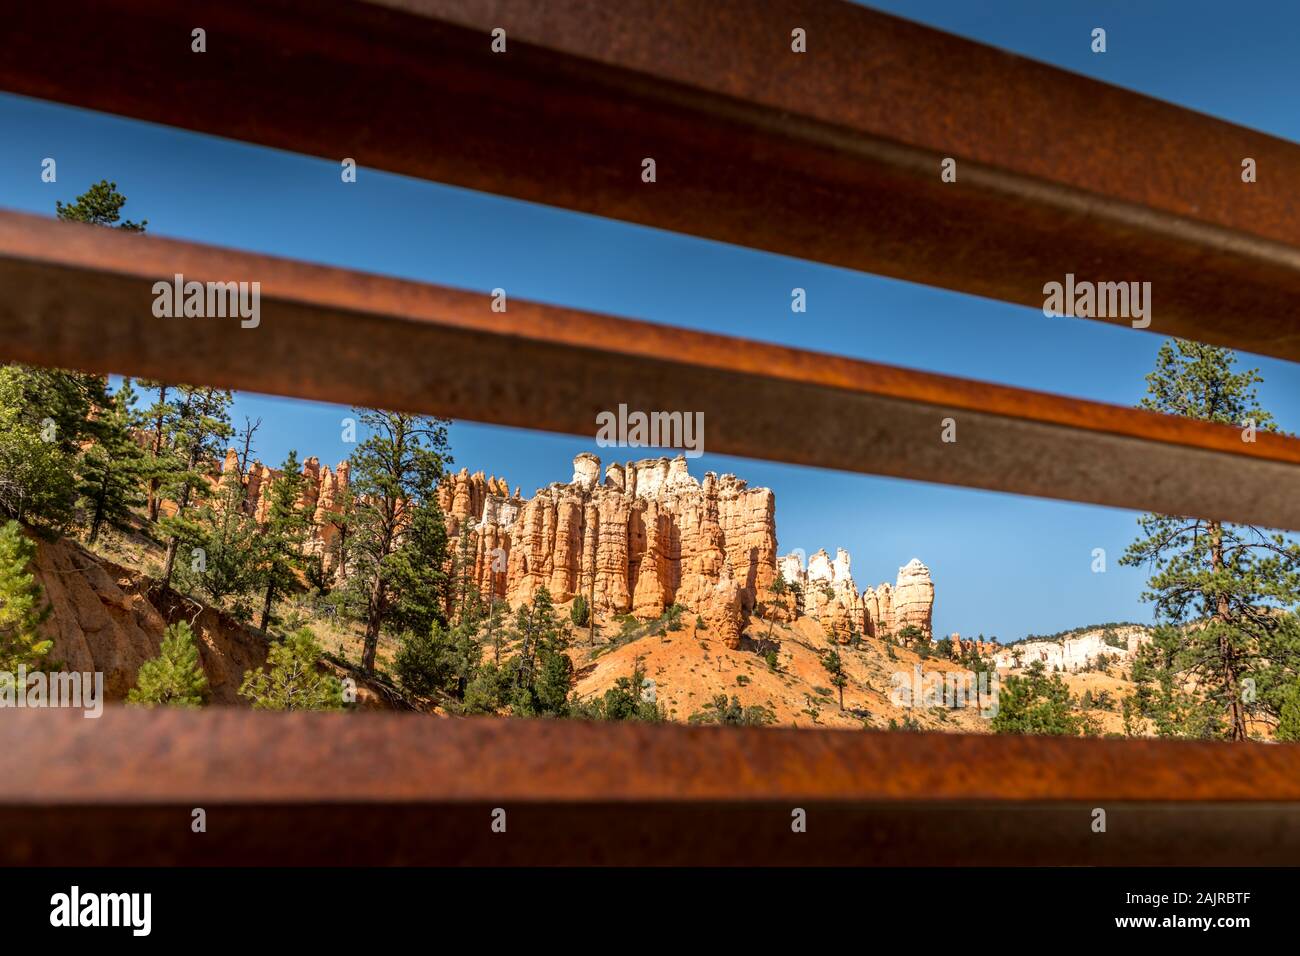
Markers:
(334, 334)
(375, 788)
(832, 155)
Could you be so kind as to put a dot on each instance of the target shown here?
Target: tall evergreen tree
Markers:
(230, 542)
(542, 672)
(466, 598)
(834, 665)
(1219, 584)
(415, 573)
(445, 660)
(160, 419)
(175, 677)
(1288, 725)
(22, 602)
(780, 588)
(394, 478)
(112, 467)
(340, 546)
(201, 428)
(282, 537)
(48, 416)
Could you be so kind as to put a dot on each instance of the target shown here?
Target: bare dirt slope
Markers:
(108, 618)
(690, 667)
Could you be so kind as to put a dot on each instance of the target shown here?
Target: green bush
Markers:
(175, 677)
(292, 679)
(580, 613)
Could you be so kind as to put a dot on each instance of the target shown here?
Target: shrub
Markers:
(730, 712)
(580, 613)
(424, 662)
(292, 679)
(175, 677)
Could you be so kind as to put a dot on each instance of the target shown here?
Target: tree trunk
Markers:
(98, 520)
(173, 545)
(341, 572)
(266, 606)
(155, 482)
(174, 542)
(373, 619)
(1227, 657)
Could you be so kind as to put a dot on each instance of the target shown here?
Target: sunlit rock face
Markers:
(827, 593)
(649, 536)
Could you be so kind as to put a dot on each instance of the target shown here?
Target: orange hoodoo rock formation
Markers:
(828, 594)
(323, 495)
(646, 537)
(962, 645)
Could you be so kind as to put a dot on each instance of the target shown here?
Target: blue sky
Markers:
(1002, 564)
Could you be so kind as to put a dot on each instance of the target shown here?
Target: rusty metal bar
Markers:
(409, 789)
(78, 296)
(832, 155)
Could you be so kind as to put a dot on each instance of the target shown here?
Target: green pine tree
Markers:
(834, 665)
(159, 419)
(442, 661)
(292, 679)
(397, 538)
(423, 663)
(1214, 582)
(101, 205)
(22, 602)
(49, 417)
(112, 467)
(415, 573)
(282, 537)
(201, 427)
(229, 544)
(1288, 725)
(624, 701)
(1038, 704)
(579, 612)
(780, 588)
(541, 671)
(44, 423)
(175, 677)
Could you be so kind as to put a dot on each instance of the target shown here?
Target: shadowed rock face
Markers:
(649, 536)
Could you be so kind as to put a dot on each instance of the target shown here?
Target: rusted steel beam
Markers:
(82, 297)
(409, 789)
(832, 155)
